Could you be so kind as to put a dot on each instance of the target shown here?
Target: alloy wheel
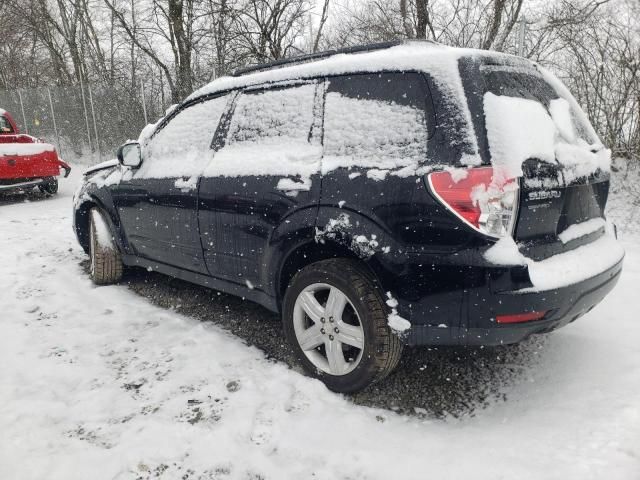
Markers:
(328, 329)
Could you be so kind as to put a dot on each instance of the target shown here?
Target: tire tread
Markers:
(387, 350)
(107, 262)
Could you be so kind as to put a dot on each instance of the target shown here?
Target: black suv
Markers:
(377, 196)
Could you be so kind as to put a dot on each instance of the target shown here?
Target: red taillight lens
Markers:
(520, 317)
(482, 201)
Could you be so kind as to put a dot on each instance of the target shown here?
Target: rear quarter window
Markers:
(270, 133)
(376, 121)
(273, 116)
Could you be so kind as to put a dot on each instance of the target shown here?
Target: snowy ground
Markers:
(103, 383)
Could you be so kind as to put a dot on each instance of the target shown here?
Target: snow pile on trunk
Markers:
(581, 229)
(565, 268)
(581, 159)
(25, 148)
(575, 265)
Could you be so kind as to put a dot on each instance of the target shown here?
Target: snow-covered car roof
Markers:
(438, 59)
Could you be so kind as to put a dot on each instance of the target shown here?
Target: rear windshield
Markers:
(526, 83)
(515, 82)
(518, 80)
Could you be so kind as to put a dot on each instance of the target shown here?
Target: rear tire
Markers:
(49, 188)
(349, 346)
(105, 261)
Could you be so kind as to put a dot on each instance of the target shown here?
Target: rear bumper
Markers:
(563, 306)
(14, 167)
(34, 178)
(466, 314)
(21, 183)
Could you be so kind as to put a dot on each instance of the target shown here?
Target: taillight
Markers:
(520, 317)
(485, 201)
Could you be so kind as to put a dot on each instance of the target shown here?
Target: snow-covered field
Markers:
(98, 383)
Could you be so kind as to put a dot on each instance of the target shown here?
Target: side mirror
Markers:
(129, 155)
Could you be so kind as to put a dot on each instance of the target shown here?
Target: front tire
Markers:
(335, 318)
(104, 258)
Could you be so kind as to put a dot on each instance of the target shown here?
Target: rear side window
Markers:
(273, 116)
(182, 146)
(376, 121)
(270, 134)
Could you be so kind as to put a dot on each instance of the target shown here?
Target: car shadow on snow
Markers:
(429, 382)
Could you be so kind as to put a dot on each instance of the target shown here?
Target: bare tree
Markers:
(173, 21)
(323, 20)
(423, 19)
(269, 29)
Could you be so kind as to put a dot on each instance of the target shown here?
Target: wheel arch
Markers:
(81, 222)
(311, 252)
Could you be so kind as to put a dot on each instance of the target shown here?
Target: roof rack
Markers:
(315, 56)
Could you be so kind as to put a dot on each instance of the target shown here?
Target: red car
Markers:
(25, 161)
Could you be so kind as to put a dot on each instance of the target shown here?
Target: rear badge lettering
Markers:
(544, 194)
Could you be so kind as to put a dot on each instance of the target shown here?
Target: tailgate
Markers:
(556, 216)
(25, 163)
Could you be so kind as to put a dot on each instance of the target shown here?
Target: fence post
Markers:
(144, 106)
(95, 125)
(86, 116)
(24, 117)
(53, 117)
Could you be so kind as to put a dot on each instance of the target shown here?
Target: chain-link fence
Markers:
(87, 123)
